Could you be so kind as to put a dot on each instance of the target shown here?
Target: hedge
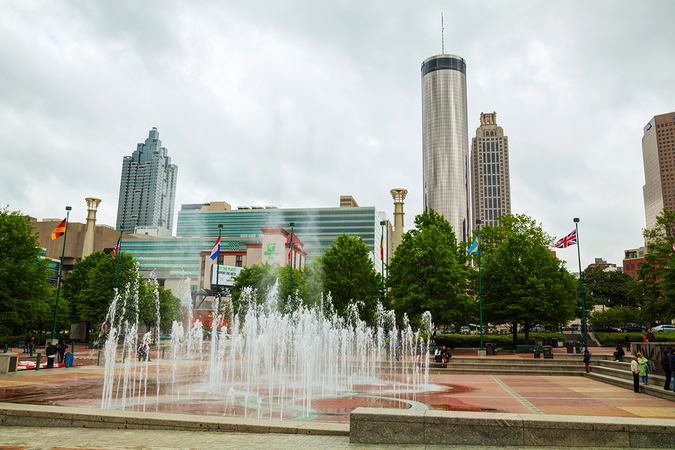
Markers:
(501, 340)
(612, 339)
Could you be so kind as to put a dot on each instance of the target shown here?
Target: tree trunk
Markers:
(526, 325)
(514, 329)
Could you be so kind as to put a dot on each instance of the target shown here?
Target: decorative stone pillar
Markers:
(398, 195)
(90, 231)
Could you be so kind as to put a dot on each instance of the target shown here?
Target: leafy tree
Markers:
(349, 276)
(429, 273)
(261, 278)
(522, 282)
(655, 287)
(169, 305)
(24, 289)
(616, 317)
(608, 288)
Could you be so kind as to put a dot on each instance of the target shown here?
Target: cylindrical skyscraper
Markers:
(445, 141)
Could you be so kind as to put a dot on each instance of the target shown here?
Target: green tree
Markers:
(608, 288)
(169, 305)
(349, 276)
(655, 287)
(522, 282)
(615, 317)
(261, 278)
(429, 273)
(24, 289)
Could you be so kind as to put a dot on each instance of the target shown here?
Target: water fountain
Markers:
(271, 364)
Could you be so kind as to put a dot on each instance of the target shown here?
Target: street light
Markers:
(58, 290)
(290, 256)
(581, 285)
(480, 288)
(382, 223)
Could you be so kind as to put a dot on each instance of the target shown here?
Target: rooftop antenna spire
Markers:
(442, 36)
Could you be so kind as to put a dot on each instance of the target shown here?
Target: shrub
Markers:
(612, 339)
(500, 340)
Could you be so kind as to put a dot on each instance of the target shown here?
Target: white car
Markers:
(664, 328)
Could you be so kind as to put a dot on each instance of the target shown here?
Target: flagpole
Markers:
(581, 285)
(58, 289)
(117, 257)
(480, 290)
(382, 258)
(290, 254)
(220, 230)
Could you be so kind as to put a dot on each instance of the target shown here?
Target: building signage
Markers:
(271, 253)
(226, 275)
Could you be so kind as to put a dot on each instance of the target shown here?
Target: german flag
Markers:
(60, 230)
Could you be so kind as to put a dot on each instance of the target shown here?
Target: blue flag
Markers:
(475, 247)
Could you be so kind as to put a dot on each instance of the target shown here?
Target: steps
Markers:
(619, 374)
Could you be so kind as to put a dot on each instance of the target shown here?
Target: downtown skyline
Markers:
(295, 106)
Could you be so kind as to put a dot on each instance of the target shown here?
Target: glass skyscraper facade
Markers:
(490, 179)
(658, 155)
(148, 187)
(445, 141)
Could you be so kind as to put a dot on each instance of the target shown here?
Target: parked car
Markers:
(602, 329)
(465, 330)
(664, 328)
(632, 328)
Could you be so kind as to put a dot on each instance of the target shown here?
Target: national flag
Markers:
(290, 247)
(215, 251)
(60, 230)
(674, 247)
(475, 247)
(117, 247)
(570, 239)
(382, 248)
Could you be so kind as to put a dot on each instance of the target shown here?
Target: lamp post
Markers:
(480, 289)
(382, 223)
(581, 285)
(118, 257)
(290, 256)
(220, 230)
(58, 290)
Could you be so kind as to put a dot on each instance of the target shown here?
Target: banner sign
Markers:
(226, 275)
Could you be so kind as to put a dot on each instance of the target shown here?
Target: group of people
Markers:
(53, 351)
(640, 369)
(442, 355)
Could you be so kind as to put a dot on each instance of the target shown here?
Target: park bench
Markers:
(526, 348)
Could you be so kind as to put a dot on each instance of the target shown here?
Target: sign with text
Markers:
(226, 275)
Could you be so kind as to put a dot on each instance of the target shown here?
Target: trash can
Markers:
(494, 351)
(489, 348)
(570, 347)
(578, 346)
(554, 343)
(537, 353)
(548, 352)
(548, 341)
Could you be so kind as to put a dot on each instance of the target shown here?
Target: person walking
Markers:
(587, 358)
(635, 369)
(627, 342)
(671, 360)
(62, 351)
(665, 365)
(644, 370)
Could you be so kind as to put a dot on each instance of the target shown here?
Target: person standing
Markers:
(587, 358)
(627, 342)
(665, 365)
(62, 351)
(671, 360)
(635, 369)
(650, 336)
(644, 370)
(26, 344)
(51, 353)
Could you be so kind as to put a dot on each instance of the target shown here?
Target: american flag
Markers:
(117, 248)
(570, 239)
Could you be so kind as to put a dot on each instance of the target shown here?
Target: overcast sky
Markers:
(294, 103)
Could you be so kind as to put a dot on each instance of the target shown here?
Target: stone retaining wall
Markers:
(431, 427)
(22, 415)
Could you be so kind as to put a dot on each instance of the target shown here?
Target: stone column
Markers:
(90, 231)
(398, 195)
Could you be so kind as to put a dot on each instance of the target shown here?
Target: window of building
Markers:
(239, 261)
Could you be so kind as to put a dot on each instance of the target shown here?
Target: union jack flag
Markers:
(570, 239)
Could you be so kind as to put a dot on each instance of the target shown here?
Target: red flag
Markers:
(60, 230)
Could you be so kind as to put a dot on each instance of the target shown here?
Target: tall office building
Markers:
(445, 140)
(658, 154)
(147, 188)
(490, 182)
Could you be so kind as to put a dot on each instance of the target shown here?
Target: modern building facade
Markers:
(445, 141)
(658, 154)
(148, 187)
(490, 180)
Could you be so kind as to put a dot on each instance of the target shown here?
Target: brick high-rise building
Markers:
(658, 154)
(490, 181)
